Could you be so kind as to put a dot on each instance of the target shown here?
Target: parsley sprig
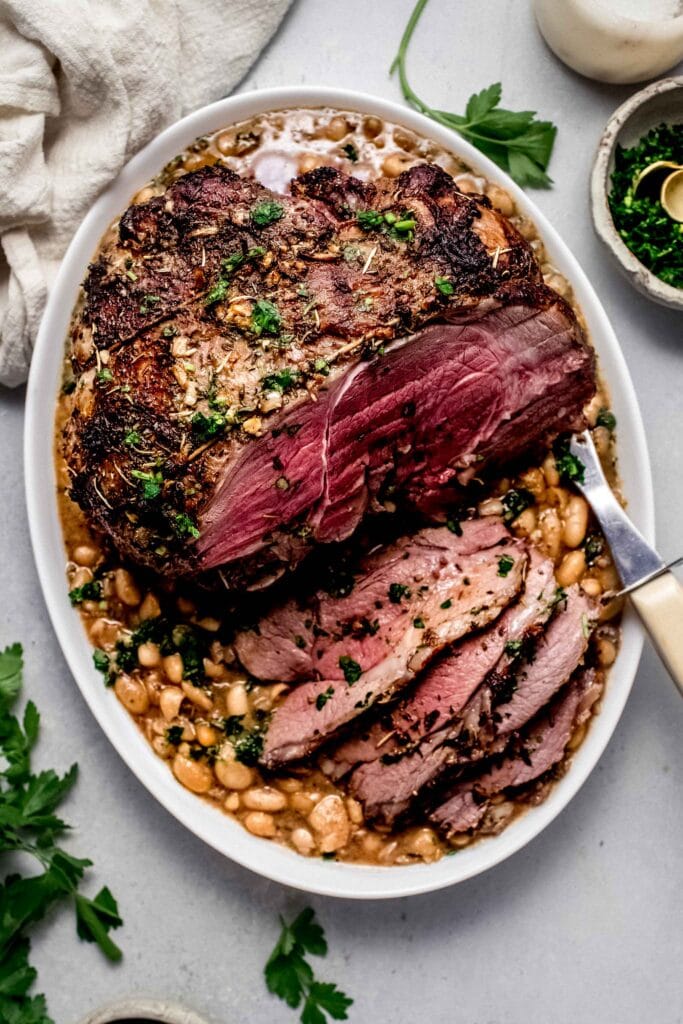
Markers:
(290, 977)
(29, 825)
(514, 140)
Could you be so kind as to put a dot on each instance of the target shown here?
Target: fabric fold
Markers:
(83, 86)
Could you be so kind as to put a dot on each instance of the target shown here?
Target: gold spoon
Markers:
(671, 196)
(650, 179)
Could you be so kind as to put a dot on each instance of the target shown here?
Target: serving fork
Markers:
(652, 588)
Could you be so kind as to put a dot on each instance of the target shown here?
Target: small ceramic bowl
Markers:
(136, 1009)
(661, 102)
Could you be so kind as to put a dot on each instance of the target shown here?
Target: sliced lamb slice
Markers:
(555, 658)
(443, 691)
(387, 789)
(305, 637)
(543, 745)
(423, 595)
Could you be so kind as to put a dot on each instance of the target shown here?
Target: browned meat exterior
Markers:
(387, 786)
(412, 599)
(540, 747)
(443, 690)
(221, 311)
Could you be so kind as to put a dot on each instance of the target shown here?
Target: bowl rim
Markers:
(268, 859)
(157, 1011)
(638, 274)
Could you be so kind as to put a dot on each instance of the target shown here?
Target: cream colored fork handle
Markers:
(660, 606)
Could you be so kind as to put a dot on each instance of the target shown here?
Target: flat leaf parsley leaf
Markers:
(514, 140)
(290, 977)
(30, 826)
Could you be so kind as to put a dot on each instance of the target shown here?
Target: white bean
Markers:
(575, 521)
(237, 700)
(265, 798)
(571, 569)
(303, 841)
(173, 667)
(170, 699)
(234, 775)
(550, 473)
(260, 824)
(331, 823)
(200, 698)
(132, 694)
(193, 775)
(551, 528)
(126, 588)
(149, 655)
(86, 555)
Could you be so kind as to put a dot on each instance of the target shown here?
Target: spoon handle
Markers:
(659, 604)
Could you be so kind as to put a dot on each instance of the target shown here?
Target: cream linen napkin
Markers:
(83, 85)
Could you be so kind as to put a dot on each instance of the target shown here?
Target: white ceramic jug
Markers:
(594, 38)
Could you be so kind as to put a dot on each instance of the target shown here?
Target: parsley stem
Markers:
(400, 58)
(517, 141)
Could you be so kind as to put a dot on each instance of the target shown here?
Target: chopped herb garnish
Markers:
(446, 604)
(218, 292)
(266, 213)
(513, 648)
(517, 142)
(418, 623)
(515, 501)
(149, 303)
(90, 591)
(568, 466)
(104, 375)
(184, 526)
(351, 669)
(351, 152)
(151, 483)
(281, 381)
(290, 977)
(232, 263)
(321, 366)
(169, 331)
(265, 318)
(585, 626)
(397, 591)
(337, 581)
(174, 734)
(454, 526)
(444, 286)
(593, 547)
(505, 563)
(132, 438)
(402, 228)
(370, 220)
(207, 427)
(102, 663)
(249, 747)
(228, 267)
(607, 419)
(322, 698)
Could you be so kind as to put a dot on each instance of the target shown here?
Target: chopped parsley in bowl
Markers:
(645, 227)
